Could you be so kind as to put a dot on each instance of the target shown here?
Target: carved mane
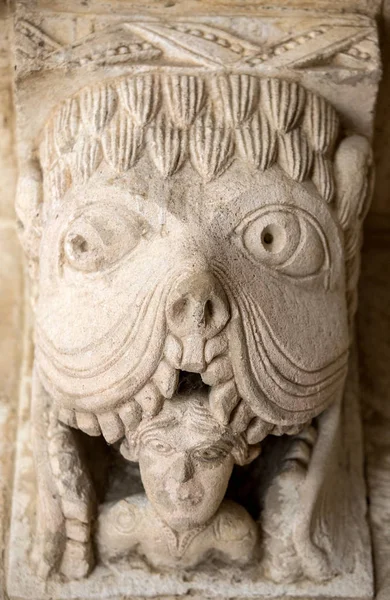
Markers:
(209, 120)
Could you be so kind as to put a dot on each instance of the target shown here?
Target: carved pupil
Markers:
(273, 238)
(160, 446)
(210, 454)
(79, 245)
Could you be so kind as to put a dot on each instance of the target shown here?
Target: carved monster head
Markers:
(196, 223)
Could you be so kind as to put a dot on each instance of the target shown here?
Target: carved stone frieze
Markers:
(190, 203)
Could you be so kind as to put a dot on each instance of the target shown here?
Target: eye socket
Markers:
(160, 446)
(285, 238)
(99, 238)
(210, 454)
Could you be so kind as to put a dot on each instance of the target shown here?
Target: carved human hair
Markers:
(197, 415)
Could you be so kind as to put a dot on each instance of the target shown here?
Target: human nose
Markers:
(182, 470)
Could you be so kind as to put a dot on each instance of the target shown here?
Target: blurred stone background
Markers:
(373, 322)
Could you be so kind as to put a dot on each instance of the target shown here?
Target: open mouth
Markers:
(191, 383)
(213, 379)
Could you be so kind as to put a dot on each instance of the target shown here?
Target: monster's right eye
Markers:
(97, 240)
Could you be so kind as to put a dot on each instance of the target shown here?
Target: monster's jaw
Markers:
(214, 378)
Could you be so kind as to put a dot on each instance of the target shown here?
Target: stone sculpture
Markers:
(195, 254)
(186, 459)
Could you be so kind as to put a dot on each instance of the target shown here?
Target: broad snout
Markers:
(197, 310)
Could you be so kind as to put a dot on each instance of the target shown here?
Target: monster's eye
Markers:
(160, 446)
(285, 238)
(96, 240)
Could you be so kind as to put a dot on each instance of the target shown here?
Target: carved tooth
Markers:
(150, 399)
(131, 414)
(76, 530)
(111, 426)
(288, 429)
(77, 560)
(193, 354)
(223, 399)
(258, 430)
(73, 507)
(216, 346)
(242, 416)
(309, 434)
(88, 423)
(67, 416)
(219, 370)
(55, 464)
(173, 351)
(299, 451)
(166, 378)
(126, 450)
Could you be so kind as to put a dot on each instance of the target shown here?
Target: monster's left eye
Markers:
(287, 239)
(95, 240)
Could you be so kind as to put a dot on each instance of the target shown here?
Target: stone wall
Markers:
(11, 291)
(374, 325)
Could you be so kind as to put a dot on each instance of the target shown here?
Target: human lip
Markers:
(189, 501)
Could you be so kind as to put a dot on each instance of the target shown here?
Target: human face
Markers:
(185, 472)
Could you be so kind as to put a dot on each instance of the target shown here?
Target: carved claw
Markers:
(66, 496)
(282, 507)
(77, 561)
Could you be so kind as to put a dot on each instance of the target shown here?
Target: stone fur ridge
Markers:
(209, 120)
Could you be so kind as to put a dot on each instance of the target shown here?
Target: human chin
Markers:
(182, 514)
(189, 517)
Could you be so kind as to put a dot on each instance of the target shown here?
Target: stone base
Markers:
(130, 581)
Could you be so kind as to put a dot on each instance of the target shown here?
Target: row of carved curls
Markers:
(209, 120)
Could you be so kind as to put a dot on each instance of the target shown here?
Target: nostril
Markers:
(208, 312)
(178, 310)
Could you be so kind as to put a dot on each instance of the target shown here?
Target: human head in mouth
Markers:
(186, 458)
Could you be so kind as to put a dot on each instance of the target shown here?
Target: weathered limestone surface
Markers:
(11, 296)
(374, 344)
(375, 391)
